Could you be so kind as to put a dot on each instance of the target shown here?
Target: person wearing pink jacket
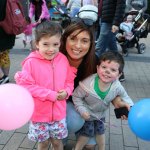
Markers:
(48, 76)
(39, 10)
(27, 33)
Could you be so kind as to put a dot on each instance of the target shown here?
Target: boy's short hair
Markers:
(113, 56)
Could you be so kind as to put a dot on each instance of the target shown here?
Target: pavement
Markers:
(118, 134)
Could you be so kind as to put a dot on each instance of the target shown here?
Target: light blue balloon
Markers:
(139, 119)
(75, 122)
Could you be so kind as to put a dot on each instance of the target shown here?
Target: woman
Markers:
(79, 47)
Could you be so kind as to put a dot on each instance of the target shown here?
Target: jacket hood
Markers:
(88, 85)
(35, 55)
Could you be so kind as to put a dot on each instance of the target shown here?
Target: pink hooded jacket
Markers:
(43, 78)
(44, 14)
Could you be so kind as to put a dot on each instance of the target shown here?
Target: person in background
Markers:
(39, 10)
(90, 2)
(74, 6)
(140, 5)
(27, 38)
(93, 96)
(112, 13)
(7, 41)
(40, 74)
(78, 46)
(127, 27)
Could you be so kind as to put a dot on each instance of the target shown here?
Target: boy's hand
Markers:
(62, 94)
(86, 115)
(118, 103)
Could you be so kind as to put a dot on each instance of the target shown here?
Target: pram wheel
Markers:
(141, 48)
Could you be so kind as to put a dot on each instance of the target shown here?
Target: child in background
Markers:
(27, 38)
(46, 73)
(39, 10)
(127, 27)
(94, 94)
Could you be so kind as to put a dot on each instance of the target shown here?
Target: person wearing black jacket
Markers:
(111, 13)
(7, 41)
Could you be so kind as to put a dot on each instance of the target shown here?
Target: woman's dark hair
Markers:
(88, 63)
(112, 56)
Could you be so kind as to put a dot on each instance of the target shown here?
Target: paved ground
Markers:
(120, 137)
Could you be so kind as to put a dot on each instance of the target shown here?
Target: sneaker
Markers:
(122, 78)
(4, 79)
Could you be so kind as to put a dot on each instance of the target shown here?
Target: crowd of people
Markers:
(89, 72)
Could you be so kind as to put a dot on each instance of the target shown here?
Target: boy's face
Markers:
(108, 71)
(49, 46)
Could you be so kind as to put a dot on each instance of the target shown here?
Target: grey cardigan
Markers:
(86, 99)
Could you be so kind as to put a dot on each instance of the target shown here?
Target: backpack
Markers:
(14, 21)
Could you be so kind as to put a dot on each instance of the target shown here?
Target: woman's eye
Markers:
(85, 41)
(72, 38)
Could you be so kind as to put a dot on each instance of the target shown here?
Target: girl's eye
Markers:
(56, 44)
(45, 44)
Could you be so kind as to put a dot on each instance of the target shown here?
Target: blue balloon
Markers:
(139, 119)
(74, 120)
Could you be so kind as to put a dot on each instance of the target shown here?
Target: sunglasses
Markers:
(87, 22)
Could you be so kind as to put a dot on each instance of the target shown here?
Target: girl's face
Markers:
(77, 45)
(49, 46)
(108, 71)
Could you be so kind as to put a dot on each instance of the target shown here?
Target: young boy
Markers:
(94, 94)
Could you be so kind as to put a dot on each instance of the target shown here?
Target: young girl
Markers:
(94, 94)
(38, 8)
(27, 38)
(46, 73)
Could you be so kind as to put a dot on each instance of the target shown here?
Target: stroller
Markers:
(87, 13)
(140, 29)
(59, 12)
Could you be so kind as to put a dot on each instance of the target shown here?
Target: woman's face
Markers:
(78, 44)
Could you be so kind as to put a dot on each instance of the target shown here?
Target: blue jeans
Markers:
(75, 122)
(107, 39)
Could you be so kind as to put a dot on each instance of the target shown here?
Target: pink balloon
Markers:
(16, 106)
(64, 1)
